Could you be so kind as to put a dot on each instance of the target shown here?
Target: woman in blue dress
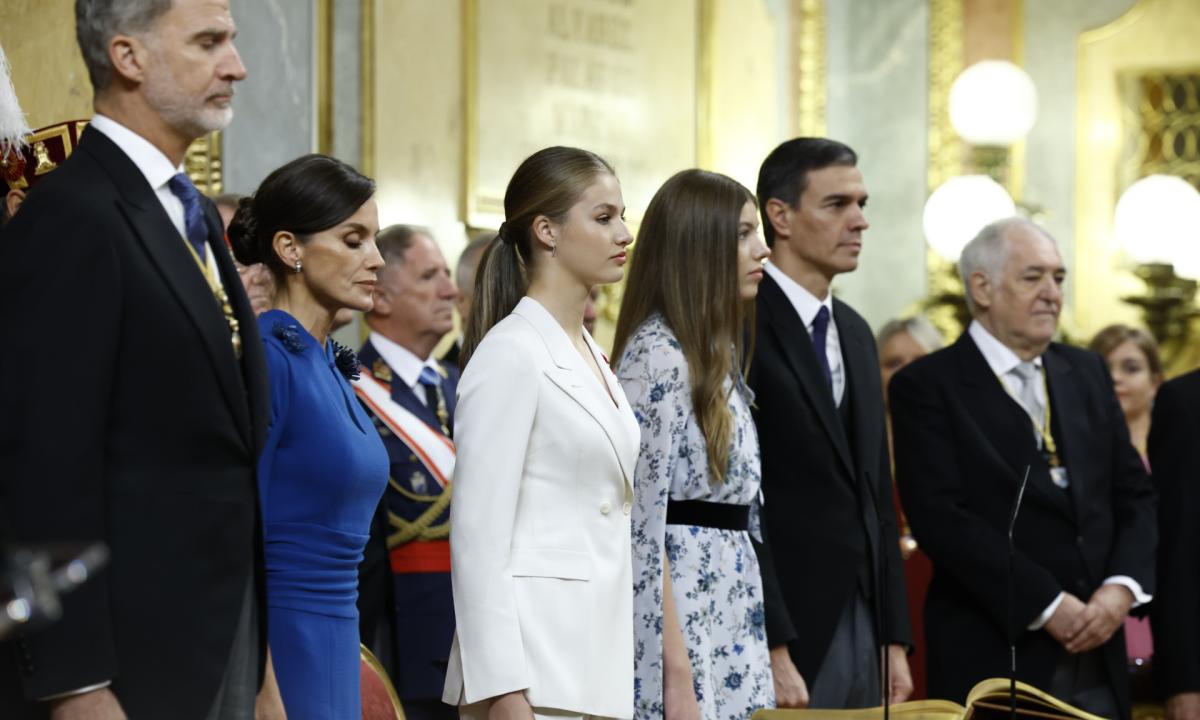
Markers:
(700, 646)
(323, 469)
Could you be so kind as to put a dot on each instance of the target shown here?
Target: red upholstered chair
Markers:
(379, 699)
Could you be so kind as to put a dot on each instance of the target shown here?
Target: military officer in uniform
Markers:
(407, 612)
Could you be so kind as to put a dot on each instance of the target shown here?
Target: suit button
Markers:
(605, 508)
(626, 508)
(1078, 541)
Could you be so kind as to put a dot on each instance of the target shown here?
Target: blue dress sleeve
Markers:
(279, 375)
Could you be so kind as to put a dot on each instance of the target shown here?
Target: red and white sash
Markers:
(435, 450)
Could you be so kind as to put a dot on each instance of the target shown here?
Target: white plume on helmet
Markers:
(13, 127)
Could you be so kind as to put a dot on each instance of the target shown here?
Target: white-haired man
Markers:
(141, 424)
(969, 421)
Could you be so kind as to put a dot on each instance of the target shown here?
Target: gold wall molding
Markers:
(324, 75)
(706, 17)
(1154, 36)
(808, 55)
(945, 63)
(366, 69)
(203, 164)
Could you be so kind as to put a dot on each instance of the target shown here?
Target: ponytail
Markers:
(547, 183)
(500, 283)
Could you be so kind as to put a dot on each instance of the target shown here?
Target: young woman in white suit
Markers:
(547, 444)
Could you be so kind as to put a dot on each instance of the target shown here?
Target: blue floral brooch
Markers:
(343, 357)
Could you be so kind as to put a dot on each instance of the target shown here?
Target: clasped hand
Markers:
(1080, 628)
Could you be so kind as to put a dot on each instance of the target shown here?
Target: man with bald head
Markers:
(405, 604)
(969, 421)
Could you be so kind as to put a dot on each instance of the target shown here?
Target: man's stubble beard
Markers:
(188, 115)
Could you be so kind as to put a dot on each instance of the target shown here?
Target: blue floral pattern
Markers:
(714, 573)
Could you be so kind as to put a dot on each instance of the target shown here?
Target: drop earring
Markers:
(298, 266)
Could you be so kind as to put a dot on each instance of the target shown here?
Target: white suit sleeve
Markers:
(497, 401)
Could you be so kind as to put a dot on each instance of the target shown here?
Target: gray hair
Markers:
(918, 327)
(988, 251)
(395, 240)
(97, 22)
(468, 261)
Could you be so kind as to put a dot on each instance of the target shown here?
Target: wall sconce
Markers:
(1156, 224)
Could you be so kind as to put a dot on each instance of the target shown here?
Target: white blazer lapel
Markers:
(576, 380)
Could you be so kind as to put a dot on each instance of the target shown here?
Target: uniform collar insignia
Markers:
(381, 370)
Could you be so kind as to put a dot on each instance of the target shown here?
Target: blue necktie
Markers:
(193, 215)
(434, 399)
(820, 329)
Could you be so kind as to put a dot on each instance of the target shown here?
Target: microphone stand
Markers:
(881, 615)
(1012, 623)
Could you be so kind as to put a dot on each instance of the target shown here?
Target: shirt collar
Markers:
(149, 160)
(401, 360)
(1000, 358)
(807, 305)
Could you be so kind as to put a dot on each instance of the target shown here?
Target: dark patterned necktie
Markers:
(819, 332)
(193, 215)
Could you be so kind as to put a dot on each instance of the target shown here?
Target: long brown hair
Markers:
(549, 183)
(684, 266)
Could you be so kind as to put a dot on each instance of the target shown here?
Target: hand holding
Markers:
(790, 689)
(1105, 613)
(510, 706)
(99, 704)
(1067, 620)
(898, 673)
(1184, 706)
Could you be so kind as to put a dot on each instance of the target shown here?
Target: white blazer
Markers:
(539, 524)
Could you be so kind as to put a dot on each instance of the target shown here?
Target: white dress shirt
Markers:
(404, 364)
(151, 162)
(1002, 361)
(807, 306)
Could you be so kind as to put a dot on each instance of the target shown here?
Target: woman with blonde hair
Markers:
(546, 446)
(700, 645)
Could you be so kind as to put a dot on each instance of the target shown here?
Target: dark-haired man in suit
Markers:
(1175, 614)
(114, 257)
(832, 576)
(406, 607)
(969, 421)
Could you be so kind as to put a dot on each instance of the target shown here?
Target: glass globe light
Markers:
(960, 208)
(1157, 220)
(993, 103)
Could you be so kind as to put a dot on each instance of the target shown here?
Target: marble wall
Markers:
(275, 107)
(878, 104)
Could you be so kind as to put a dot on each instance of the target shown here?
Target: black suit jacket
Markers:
(1175, 463)
(128, 420)
(827, 510)
(962, 445)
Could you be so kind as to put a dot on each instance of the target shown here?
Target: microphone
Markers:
(1012, 623)
(31, 585)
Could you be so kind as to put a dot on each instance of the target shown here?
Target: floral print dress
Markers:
(714, 572)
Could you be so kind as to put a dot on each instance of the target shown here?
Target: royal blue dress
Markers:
(320, 478)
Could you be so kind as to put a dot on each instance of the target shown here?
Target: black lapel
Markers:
(1069, 415)
(801, 356)
(253, 358)
(1004, 424)
(862, 389)
(170, 256)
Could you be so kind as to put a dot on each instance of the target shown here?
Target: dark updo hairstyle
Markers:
(549, 182)
(306, 196)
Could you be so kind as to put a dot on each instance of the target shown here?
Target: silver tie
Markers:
(1027, 375)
